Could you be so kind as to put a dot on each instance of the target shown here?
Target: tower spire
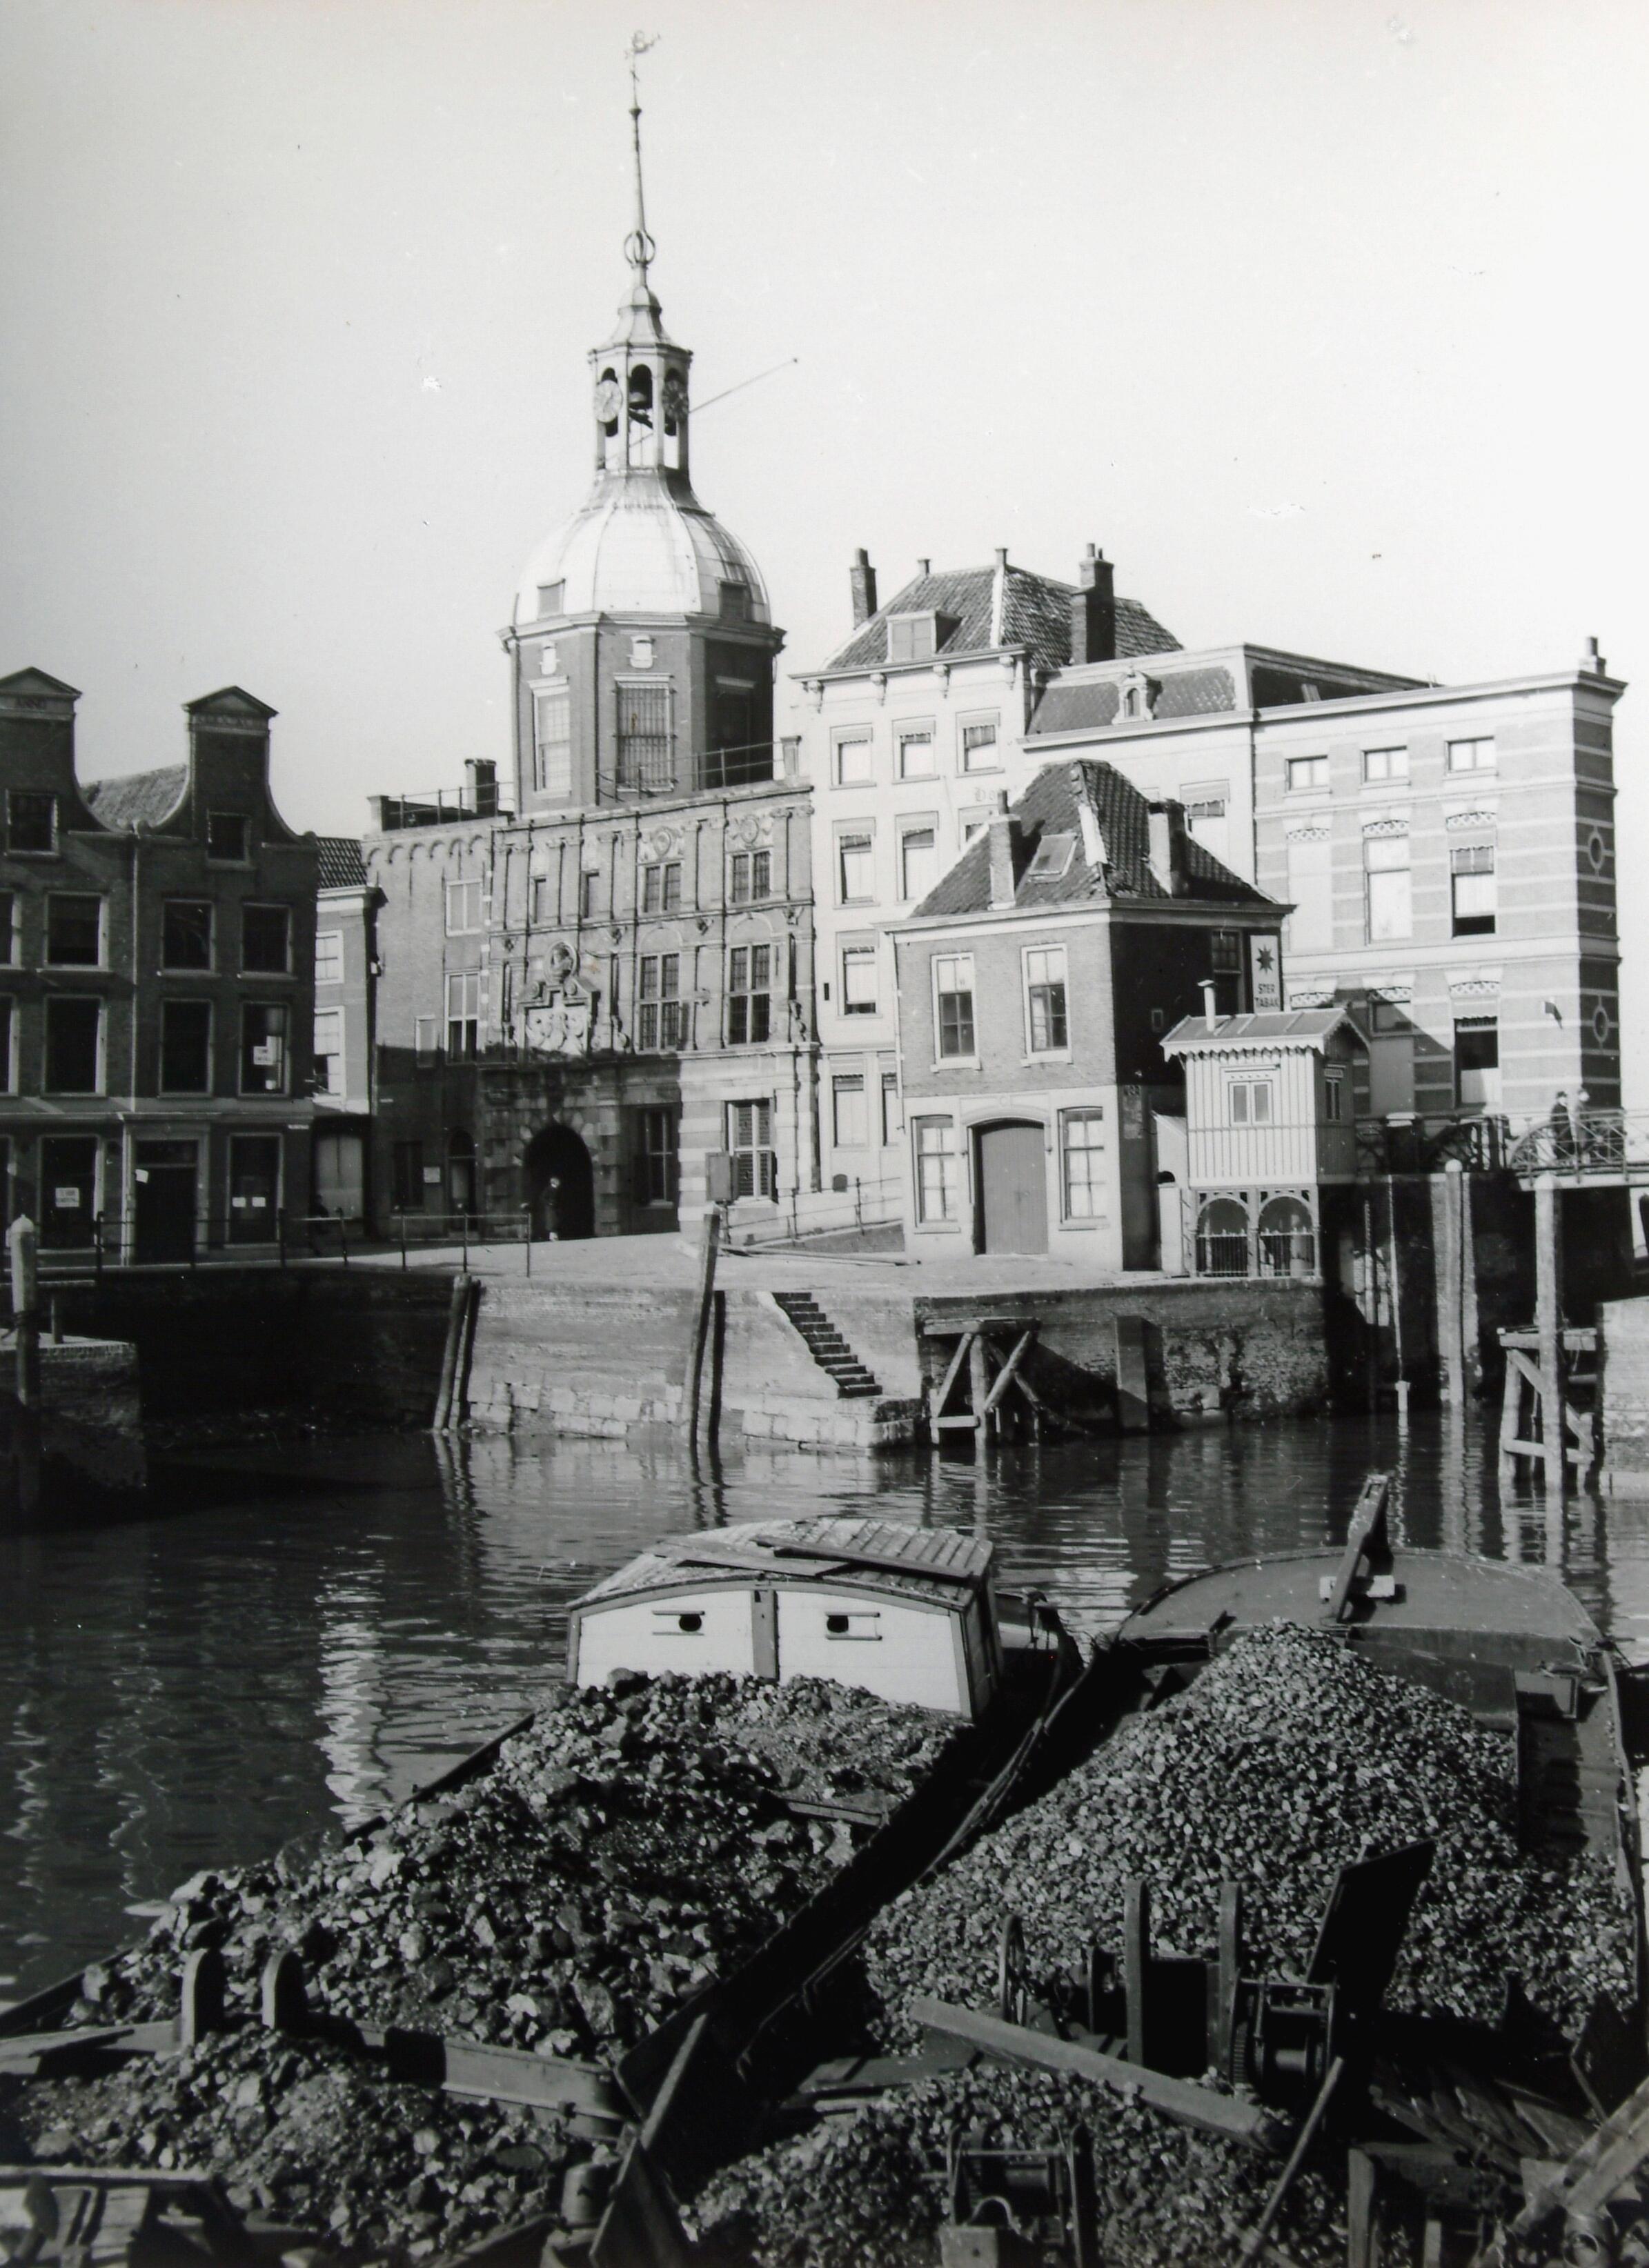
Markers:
(638, 245)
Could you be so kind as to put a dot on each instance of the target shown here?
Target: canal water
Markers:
(295, 1637)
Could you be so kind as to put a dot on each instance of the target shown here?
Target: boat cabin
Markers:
(905, 1613)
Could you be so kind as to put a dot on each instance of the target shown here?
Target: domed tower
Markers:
(642, 642)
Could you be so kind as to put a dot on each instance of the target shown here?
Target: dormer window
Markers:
(1054, 853)
(32, 820)
(911, 637)
(1138, 698)
(734, 601)
(551, 600)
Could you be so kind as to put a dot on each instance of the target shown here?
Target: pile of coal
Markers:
(312, 2140)
(1286, 1757)
(635, 1841)
(870, 2192)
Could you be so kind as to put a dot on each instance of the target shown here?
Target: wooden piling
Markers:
(1133, 1374)
(979, 1380)
(1450, 1291)
(23, 1244)
(710, 1245)
(1548, 1325)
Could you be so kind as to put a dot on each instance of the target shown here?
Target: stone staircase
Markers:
(827, 1346)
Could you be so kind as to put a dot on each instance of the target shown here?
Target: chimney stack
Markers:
(1093, 610)
(1592, 662)
(1210, 1014)
(1003, 830)
(861, 577)
(1166, 825)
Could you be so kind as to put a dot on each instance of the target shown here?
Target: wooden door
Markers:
(1012, 1189)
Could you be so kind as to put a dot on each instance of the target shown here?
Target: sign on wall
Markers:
(1265, 971)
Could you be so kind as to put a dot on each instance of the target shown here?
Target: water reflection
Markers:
(318, 1631)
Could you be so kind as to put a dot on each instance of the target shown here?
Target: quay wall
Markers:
(359, 1346)
(1232, 1347)
(91, 1414)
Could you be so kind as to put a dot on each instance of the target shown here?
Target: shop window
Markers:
(1081, 1150)
(938, 1169)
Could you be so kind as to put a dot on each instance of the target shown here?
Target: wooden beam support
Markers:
(1548, 1319)
(1005, 1375)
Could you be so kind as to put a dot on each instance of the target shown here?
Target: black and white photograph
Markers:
(824, 1134)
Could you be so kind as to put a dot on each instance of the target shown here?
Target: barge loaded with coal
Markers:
(842, 1914)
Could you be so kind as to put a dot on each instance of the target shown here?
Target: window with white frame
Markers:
(1249, 1101)
(463, 1014)
(552, 744)
(859, 980)
(1382, 766)
(328, 1050)
(848, 1108)
(750, 1142)
(911, 637)
(1472, 899)
(1046, 1031)
(916, 756)
(890, 1108)
(851, 765)
(1082, 1154)
(750, 995)
(329, 956)
(981, 751)
(953, 1006)
(463, 909)
(1305, 772)
(938, 1169)
(918, 861)
(1310, 889)
(660, 1010)
(1471, 756)
(1388, 887)
(856, 869)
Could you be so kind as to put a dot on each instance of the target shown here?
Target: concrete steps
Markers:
(828, 1348)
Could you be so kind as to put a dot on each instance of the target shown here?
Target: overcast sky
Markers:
(1323, 320)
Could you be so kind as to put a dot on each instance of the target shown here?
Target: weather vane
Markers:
(638, 245)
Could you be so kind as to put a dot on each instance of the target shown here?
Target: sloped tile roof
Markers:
(138, 798)
(1260, 1027)
(1051, 805)
(1036, 614)
(342, 866)
(1074, 708)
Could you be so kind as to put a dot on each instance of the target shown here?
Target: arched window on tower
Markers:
(640, 409)
(609, 406)
(673, 403)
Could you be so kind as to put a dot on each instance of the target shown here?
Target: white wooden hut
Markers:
(906, 1613)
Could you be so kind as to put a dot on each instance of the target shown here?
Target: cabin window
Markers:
(854, 1625)
(669, 1622)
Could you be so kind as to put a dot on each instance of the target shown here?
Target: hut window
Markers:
(668, 1620)
(690, 1623)
(853, 1625)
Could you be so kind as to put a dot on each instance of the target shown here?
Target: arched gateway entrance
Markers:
(560, 1184)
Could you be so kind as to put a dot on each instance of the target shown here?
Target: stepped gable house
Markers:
(156, 1001)
(1035, 984)
(601, 977)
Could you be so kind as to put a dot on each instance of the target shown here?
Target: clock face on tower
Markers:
(675, 398)
(608, 398)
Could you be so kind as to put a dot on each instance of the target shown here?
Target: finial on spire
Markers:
(638, 245)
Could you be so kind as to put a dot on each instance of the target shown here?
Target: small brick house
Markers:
(156, 934)
(1036, 984)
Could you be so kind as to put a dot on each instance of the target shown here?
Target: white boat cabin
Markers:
(905, 1613)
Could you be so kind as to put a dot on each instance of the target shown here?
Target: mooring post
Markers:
(703, 1308)
(1370, 1280)
(1548, 1325)
(1449, 1289)
(979, 1382)
(24, 1246)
